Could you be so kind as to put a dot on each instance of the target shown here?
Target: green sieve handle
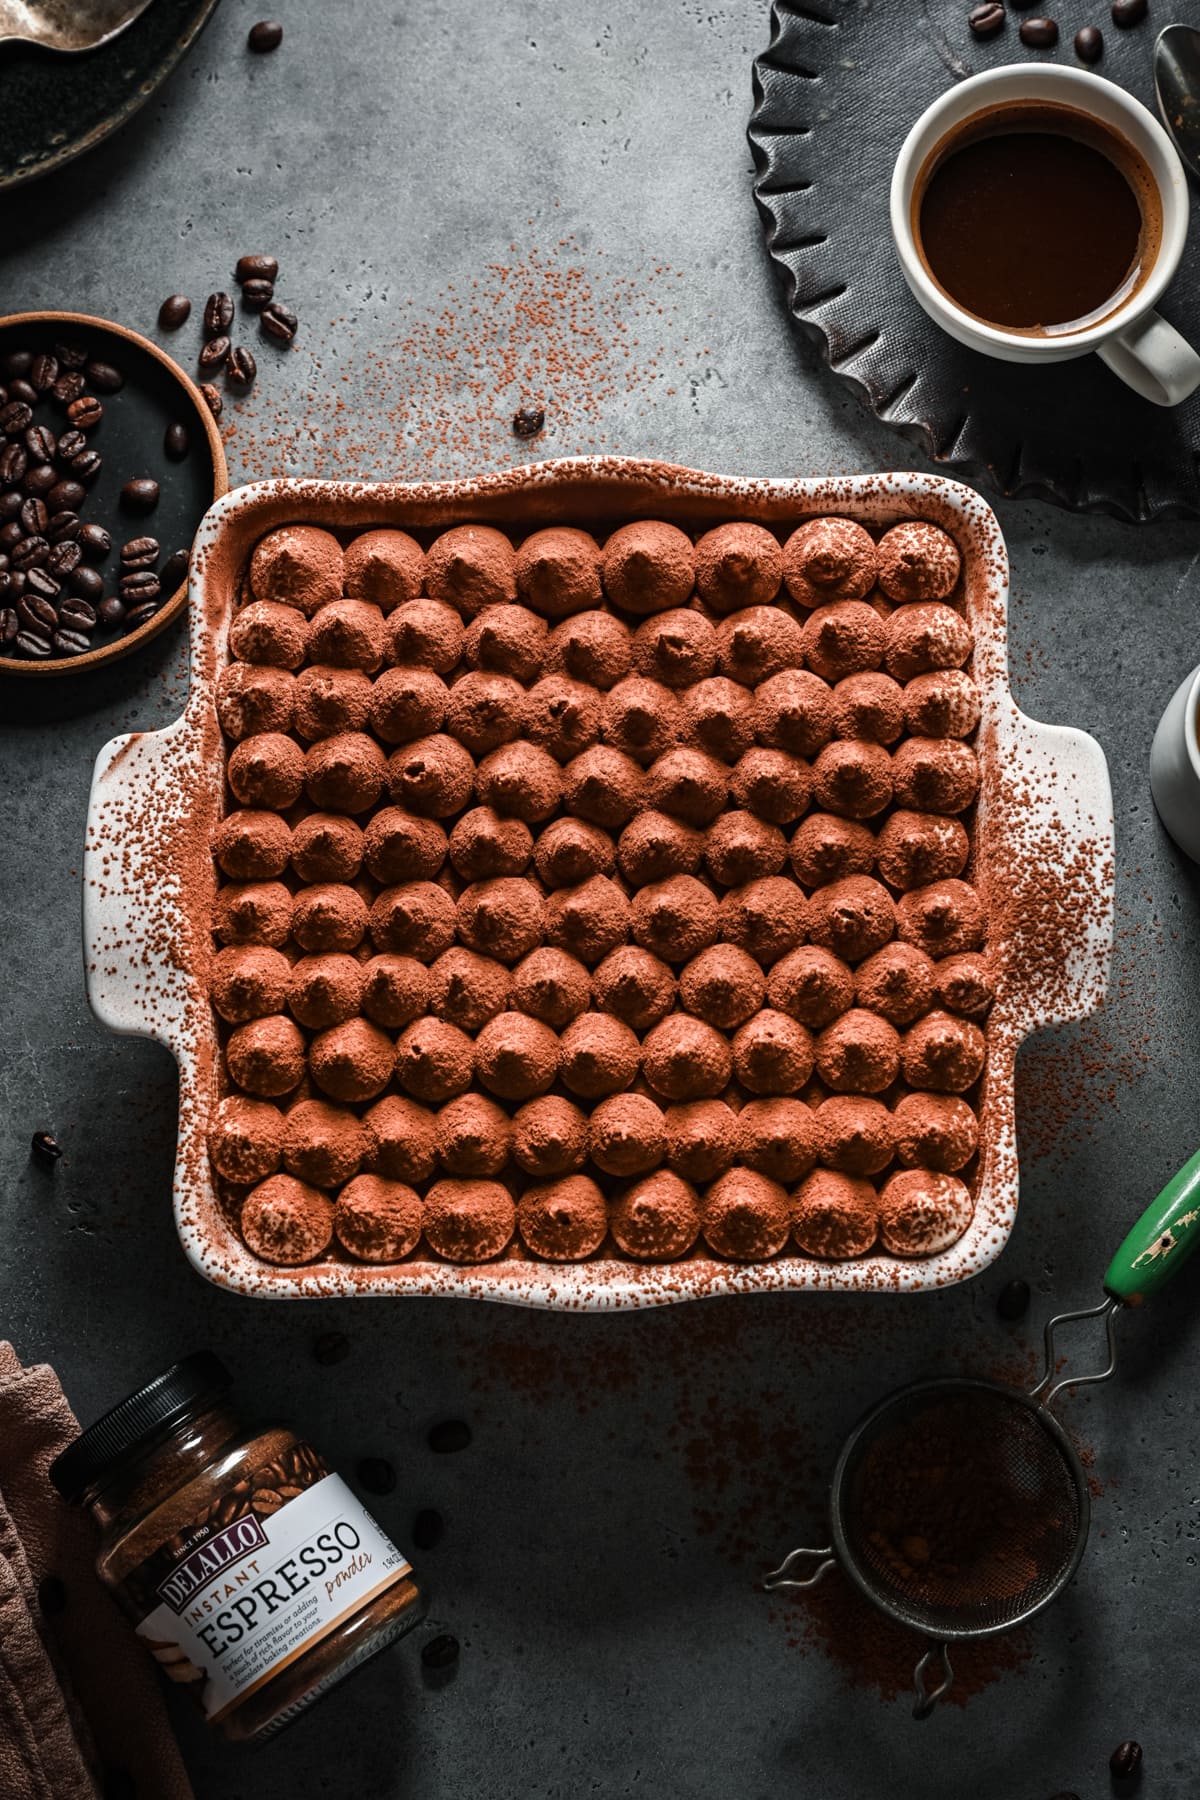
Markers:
(1161, 1241)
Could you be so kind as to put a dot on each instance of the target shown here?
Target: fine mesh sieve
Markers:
(958, 1507)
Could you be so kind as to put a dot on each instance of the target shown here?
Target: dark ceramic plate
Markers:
(834, 97)
(130, 441)
(54, 107)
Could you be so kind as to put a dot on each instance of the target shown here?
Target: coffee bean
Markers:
(70, 643)
(528, 421)
(9, 625)
(213, 353)
(37, 613)
(1039, 34)
(139, 586)
(1128, 12)
(78, 615)
(140, 616)
(10, 533)
(10, 506)
(267, 35)
(40, 479)
(14, 417)
(279, 321)
(1126, 1759)
(16, 363)
(14, 460)
(71, 355)
(43, 372)
(449, 1436)
(104, 377)
(66, 496)
(68, 387)
(42, 583)
(218, 315)
(174, 312)
(249, 268)
(30, 552)
(23, 391)
(242, 367)
(174, 570)
(331, 1347)
(70, 444)
(110, 612)
(375, 1474)
(985, 21)
(86, 466)
(440, 1652)
(140, 552)
(41, 443)
(33, 516)
(34, 646)
(140, 494)
(427, 1529)
(212, 398)
(86, 583)
(257, 293)
(175, 442)
(64, 528)
(85, 413)
(95, 543)
(63, 558)
(1089, 44)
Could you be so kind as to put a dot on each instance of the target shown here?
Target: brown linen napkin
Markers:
(83, 1663)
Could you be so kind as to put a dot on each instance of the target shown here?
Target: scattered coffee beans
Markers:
(1089, 44)
(427, 1529)
(68, 387)
(1039, 34)
(376, 1475)
(46, 1146)
(1128, 12)
(139, 553)
(94, 541)
(218, 315)
(71, 355)
(1012, 1302)
(104, 378)
(174, 312)
(213, 353)
(242, 367)
(279, 321)
(528, 421)
(1126, 1759)
(450, 1436)
(140, 494)
(985, 21)
(256, 268)
(267, 35)
(440, 1652)
(85, 413)
(175, 442)
(174, 571)
(43, 372)
(212, 398)
(331, 1347)
(256, 293)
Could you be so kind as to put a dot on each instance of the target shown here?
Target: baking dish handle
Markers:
(133, 918)
(1060, 816)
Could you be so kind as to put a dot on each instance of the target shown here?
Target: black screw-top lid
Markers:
(193, 1382)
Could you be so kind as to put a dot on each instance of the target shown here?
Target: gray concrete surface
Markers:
(628, 1478)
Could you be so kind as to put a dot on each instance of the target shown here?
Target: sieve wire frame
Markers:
(934, 1623)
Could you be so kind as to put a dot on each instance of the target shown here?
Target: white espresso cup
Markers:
(1135, 342)
(1175, 766)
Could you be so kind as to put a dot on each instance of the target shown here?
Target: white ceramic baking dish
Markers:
(1043, 840)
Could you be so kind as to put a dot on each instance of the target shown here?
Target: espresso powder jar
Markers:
(254, 1576)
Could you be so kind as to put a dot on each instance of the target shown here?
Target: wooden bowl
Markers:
(130, 441)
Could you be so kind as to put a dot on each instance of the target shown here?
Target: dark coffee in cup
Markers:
(1036, 218)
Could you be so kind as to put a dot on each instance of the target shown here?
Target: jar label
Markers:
(257, 1593)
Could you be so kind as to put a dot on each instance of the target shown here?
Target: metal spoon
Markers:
(1177, 84)
(66, 25)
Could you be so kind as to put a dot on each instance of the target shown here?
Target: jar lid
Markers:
(193, 1382)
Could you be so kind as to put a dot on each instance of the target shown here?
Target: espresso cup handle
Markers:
(1152, 358)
